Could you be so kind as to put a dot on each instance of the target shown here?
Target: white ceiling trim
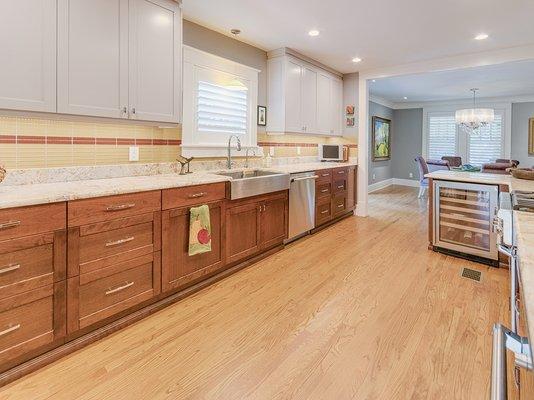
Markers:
(382, 101)
(446, 103)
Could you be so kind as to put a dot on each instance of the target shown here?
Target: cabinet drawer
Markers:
(82, 212)
(26, 269)
(192, 195)
(325, 175)
(107, 292)
(24, 221)
(105, 244)
(30, 320)
(323, 211)
(323, 189)
(341, 172)
(339, 205)
(339, 185)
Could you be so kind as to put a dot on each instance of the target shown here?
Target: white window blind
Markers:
(221, 110)
(442, 138)
(487, 145)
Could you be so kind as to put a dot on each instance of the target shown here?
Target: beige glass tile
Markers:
(8, 126)
(32, 127)
(31, 156)
(110, 154)
(59, 155)
(82, 129)
(83, 154)
(143, 132)
(60, 128)
(146, 154)
(8, 155)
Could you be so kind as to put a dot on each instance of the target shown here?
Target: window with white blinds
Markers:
(486, 145)
(221, 110)
(442, 136)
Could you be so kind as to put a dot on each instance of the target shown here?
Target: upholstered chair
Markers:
(424, 168)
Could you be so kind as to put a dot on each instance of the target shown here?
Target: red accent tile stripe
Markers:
(14, 139)
(279, 144)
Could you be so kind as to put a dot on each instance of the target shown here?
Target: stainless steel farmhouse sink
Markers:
(248, 183)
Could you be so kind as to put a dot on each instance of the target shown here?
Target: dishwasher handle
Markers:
(306, 178)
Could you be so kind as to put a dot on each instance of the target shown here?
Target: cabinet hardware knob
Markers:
(264, 207)
(120, 288)
(133, 110)
(125, 110)
(10, 329)
(340, 205)
(324, 190)
(340, 172)
(197, 195)
(325, 175)
(120, 241)
(324, 212)
(120, 207)
(9, 224)
(9, 268)
(341, 187)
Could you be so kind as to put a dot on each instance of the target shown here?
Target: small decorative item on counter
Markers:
(522, 173)
(3, 173)
(184, 162)
(199, 230)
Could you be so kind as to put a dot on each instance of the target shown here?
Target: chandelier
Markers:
(474, 118)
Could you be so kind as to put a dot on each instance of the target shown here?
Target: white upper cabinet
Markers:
(93, 57)
(303, 98)
(28, 62)
(155, 60)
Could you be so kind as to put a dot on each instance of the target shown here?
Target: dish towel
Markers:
(199, 230)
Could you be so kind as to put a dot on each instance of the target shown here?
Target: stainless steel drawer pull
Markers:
(325, 174)
(120, 288)
(197, 195)
(9, 268)
(341, 187)
(324, 190)
(9, 224)
(341, 205)
(120, 207)
(10, 329)
(340, 172)
(120, 241)
(324, 212)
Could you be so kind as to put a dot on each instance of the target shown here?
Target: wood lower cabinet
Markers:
(178, 267)
(254, 225)
(352, 186)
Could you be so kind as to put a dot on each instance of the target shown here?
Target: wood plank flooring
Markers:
(361, 310)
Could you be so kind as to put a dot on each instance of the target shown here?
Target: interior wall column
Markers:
(363, 146)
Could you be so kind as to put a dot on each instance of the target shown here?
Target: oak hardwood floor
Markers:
(361, 310)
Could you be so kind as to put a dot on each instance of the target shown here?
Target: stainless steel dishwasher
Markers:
(301, 204)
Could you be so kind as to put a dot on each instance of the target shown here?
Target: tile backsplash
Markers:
(48, 143)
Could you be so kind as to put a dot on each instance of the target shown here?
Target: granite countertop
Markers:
(43, 193)
(523, 226)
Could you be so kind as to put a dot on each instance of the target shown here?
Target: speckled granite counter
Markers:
(523, 226)
(42, 193)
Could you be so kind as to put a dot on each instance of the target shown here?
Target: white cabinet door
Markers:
(337, 107)
(93, 57)
(324, 107)
(309, 100)
(155, 60)
(293, 97)
(28, 62)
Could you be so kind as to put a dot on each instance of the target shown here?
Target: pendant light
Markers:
(472, 119)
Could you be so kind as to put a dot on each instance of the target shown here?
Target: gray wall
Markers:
(407, 142)
(351, 85)
(380, 169)
(521, 112)
(215, 43)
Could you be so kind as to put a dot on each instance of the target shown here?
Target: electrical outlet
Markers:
(374, 177)
(411, 174)
(298, 150)
(271, 151)
(133, 154)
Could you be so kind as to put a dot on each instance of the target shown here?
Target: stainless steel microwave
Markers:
(331, 152)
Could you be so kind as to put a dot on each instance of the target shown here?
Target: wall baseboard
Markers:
(392, 181)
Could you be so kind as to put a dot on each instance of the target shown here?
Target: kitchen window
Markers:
(442, 137)
(220, 100)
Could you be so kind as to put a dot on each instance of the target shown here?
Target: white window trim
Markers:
(506, 108)
(195, 60)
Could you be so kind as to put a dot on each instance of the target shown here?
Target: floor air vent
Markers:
(471, 274)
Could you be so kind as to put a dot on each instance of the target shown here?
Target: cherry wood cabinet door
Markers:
(242, 231)
(274, 220)
(351, 188)
(178, 267)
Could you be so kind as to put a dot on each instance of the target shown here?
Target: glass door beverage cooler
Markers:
(463, 218)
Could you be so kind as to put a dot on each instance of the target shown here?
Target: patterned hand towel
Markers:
(199, 230)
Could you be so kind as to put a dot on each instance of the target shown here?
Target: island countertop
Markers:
(523, 225)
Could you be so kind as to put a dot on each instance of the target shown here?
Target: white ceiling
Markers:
(500, 80)
(381, 32)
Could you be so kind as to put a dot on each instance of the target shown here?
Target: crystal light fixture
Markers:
(474, 118)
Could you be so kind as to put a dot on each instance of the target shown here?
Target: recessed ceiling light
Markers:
(235, 32)
(313, 32)
(356, 59)
(481, 36)
(405, 98)
(374, 80)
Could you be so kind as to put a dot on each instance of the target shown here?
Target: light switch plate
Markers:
(133, 153)
(298, 150)
(271, 151)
